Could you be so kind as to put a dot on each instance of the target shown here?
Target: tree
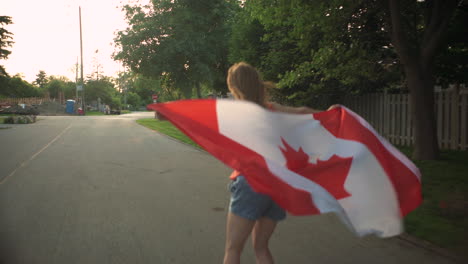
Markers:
(336, 48)
(417, 43)
(5, 42)
(41, 79)
(183, 42)
(55, 87)
(314, 48)
(21, 88)
(134, 100)
(245, 42)
(143, 87)
(451, 64)
(104, 89)
(116, 101)
(17, 87)
(5, 37)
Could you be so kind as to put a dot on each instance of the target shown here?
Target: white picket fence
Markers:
(390, 115)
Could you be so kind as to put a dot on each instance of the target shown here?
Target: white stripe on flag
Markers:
(372, 207)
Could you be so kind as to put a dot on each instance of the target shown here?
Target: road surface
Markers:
(104, 189)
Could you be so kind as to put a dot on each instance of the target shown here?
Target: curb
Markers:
(418, 242)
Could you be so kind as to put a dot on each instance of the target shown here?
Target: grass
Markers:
(99, 113)
(94, 113)
(441, 219)
(2, 119)
(167, 128)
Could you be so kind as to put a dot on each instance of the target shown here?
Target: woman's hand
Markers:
(333, 106)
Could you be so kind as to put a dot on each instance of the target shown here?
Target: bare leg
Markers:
(261, 234)
(237, 231)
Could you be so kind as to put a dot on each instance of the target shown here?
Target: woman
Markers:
(251, 212)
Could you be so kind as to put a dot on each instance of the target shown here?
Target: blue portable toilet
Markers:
(70, 106)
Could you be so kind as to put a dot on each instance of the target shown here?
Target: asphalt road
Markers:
(106, 190)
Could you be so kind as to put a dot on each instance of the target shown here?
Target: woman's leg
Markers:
(238, 230)
(261, 234)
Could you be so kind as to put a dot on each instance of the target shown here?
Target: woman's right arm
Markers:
(293, 110)
(298, 110)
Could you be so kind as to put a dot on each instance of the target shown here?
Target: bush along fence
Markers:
(390, 115)
(32, 100)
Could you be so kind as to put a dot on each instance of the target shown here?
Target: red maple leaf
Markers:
(330, 174)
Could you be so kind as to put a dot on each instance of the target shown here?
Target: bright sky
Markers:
(46, 36)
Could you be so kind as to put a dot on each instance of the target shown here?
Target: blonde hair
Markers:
(245, 83)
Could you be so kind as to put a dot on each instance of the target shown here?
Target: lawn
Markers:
(443, 216)
(442, 219)
(167, 128)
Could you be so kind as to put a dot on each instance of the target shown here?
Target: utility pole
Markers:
(76, 78)
(82, 82)
(96, 60)
(125, 89)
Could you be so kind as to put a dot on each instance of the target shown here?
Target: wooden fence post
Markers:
(464, 121)
(404, 120)
(387, 116)
(446, 118)
(439, 107)
(455, 122)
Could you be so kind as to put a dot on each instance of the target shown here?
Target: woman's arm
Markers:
(298, 110)
(293, 110)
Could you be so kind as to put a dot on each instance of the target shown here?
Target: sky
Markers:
(46, 36)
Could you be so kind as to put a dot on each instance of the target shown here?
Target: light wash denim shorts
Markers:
(247, 203)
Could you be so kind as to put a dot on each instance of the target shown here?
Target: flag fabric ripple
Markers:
(331, 161)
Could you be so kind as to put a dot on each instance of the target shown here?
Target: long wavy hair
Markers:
(245, 83)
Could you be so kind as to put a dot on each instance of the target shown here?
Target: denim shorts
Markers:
(247, 203)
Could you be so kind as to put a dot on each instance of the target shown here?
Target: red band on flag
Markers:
(405, 182)
(204, 131)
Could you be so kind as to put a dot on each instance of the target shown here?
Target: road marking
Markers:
(34, 156)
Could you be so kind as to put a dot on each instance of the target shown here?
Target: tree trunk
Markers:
(418, 66)
(421, 88)
(198, 88)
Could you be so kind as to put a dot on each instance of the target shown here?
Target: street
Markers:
(103, 189)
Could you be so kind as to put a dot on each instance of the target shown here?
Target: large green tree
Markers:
(323, 49)
(314, 48)
(182, 42)
(418, 33)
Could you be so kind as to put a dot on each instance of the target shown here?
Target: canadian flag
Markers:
(332, 161)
